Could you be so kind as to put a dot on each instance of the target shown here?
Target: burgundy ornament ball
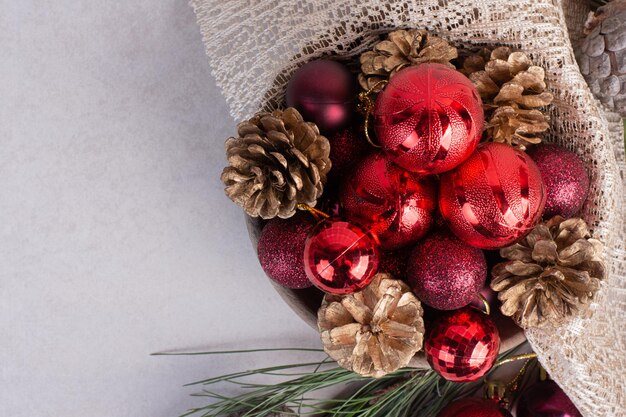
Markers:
(281, 250)
(397, 204)
(462, 345)
(474, 407)
(565, 179)
(429, 118)
(395, 262)
(446, 273)
(324, 92)
(546, 399)
(346, 148)
(494, 198)
(340, 257)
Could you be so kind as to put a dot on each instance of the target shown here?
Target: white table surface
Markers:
(116, 239)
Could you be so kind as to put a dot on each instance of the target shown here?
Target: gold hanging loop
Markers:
(318, 214)
(366, 106)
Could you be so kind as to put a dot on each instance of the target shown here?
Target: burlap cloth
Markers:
(255, 45)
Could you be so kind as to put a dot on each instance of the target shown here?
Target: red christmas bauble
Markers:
(446, 273)
(397, 204)
(429, 118)
(546, 399)
(281, 250)
(565, 179)
(395, 262)
(324, 92)
(462, 345)
(474, 407)
(346, 148)
(494, 198)
(340, 257)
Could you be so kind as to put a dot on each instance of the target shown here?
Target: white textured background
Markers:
(115, 237)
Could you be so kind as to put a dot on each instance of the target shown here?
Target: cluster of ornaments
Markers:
(422, 206)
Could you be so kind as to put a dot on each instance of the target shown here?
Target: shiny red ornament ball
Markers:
(397, 204)
(281, 250)
(474, 407)
(546, 399)
(347, 147)
(462, 345)
(565, 179)
(429, 118)
(324, 92)
(494, 198)
(340, 257)
(446, 273)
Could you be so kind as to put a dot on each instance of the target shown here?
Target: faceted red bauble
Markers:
(324, 92)
(399, 205)
(340, 257)
(281, 250)
(346, 148)
(494, 198)
(429, 118)
(446, 273)
(565, 178)
(546, 399)
(474, 407)
(462, 345)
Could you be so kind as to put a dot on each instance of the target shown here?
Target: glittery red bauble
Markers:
(429, 118)
(462, 345)
(565, 178)
(446, 273)
(281, 250)
(474, 407)
(340, 257)
(346, 148)
(494, 198)
(324, 92)
(399, 205)
(395, 262)
(546, 399)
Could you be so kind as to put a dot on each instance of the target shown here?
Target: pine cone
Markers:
(602, 55)
(374, 331)
(402, 48)
(278, 161)
(512, 89)
(551, 275)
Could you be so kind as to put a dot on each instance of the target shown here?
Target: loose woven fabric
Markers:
(254, 46)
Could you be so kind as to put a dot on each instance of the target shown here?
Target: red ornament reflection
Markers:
(429, 118)
(474, 407)
(340, 257)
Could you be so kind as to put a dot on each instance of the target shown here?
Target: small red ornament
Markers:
(340, 257)
(399, 205)
(446, 273)
(281, 250)
(546, 399)
(429, 118)
(474, 407)
(494, 198)
(346, 148)
(324, 92)
(565, 178)
(462, 345)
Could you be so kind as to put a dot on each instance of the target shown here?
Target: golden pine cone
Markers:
(509, 80)
(402, 48)
(551, 275)
(277, 161)
(374, 331)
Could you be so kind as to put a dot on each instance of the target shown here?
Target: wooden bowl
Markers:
(306, 302)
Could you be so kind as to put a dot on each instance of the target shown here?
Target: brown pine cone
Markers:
(278, 161)
(374, 331)
(551, 275)
(512, 90)
(402, 48)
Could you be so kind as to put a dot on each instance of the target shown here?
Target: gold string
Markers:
(486, 303)
(366, 105)
(318, 214)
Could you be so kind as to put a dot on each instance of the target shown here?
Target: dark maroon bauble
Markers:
(546, 399)
(474, 407)
(347, 147)
(445, 272)
(324, 92)
(490, 295)
(395, 262)
(565, 178)
(281, 250)
(397, 204)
